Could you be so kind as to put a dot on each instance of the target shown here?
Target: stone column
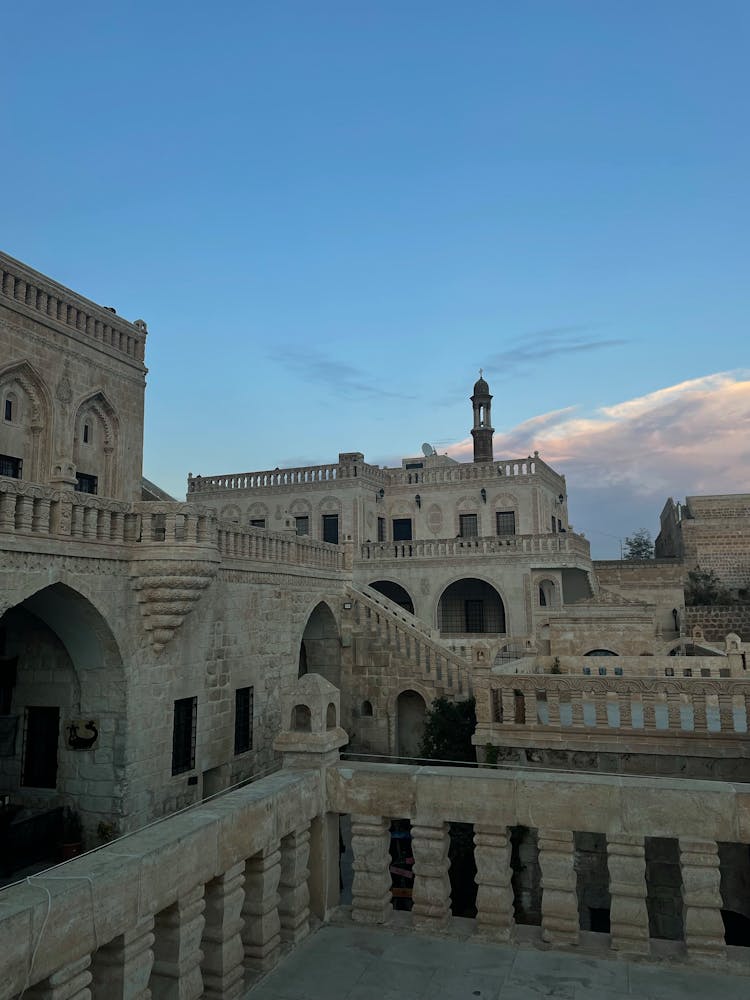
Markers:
(494, 890)
(530, 699)
(223, 965)
(71, 982)
(700, 724)
(25, 513)
(7, 511)
(648, 699)
(177, 954)
(431, 883)
(509, 706)
(40, 518)
(576, 708)
(726, 712)
(628, 915)
(121, 969)
(261, 934)
(701, 896)
(553, 705)
(90, 519)
(624, 700)
(673, 710)
(294, 895)
(104, 525)
(560, 922)
(371, 890)
(600, 709)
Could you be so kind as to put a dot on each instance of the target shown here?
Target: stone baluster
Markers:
(177, 953)
(261, 934)
(700, 723)
(599, 701)
(147, 530)
(674, 716)
(726, 712)
(76, 520)
(90, 519)
(553, 706)
(509, 705)
(701, 896)
(170, 528)
(121, 969)
(40, 516)
(7, 511)
(648, 699)
(624, 700)
(20, 290)
(431, 883)
(530, 700)
(223, 965)
(576, 708)
(560, 923)
(24, 513)
(628, 915)
(71, 982)
(104, 525)
(494, 890)
(371, 890)
(294, 894)
(191, 529)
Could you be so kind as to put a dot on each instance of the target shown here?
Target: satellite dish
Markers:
(427, 450)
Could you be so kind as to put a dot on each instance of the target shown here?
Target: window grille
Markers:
(468, 525)
(183, 735)
(10, 466)
(381, 529)
(302, 525)
(506, 522)
(86, 483)
(243, 719)
(331, 528)
(474, 615)
(257, 522)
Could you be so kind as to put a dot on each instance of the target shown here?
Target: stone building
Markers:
(711, 533)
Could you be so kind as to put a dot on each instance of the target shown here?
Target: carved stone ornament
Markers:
(167, 592)
(63, 389)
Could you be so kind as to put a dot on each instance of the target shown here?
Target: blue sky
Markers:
(331, 214)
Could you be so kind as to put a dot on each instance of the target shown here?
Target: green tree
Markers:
(704, 587)
(448, 728)
(639, 546)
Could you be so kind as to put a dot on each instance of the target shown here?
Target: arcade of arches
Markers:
(320, 647)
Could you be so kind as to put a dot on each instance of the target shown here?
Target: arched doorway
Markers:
(320, 647)
(62, 722)
(471, 606)
(396, 593)
(410, 717)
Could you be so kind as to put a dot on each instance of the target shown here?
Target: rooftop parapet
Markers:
(46, 301)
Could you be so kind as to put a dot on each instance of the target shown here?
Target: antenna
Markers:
(427, 450)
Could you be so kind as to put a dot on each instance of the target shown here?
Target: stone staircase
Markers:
(390, 638)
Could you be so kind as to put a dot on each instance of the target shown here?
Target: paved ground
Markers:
(355, 963)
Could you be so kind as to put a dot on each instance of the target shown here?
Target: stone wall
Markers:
(717, 621)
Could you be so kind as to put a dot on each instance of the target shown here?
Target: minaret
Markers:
(482, 430)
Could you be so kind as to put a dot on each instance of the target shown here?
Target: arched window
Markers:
(366, 710)
(331, 716)
(301, 719)
(471, 606)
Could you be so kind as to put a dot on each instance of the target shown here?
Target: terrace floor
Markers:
(342, 961)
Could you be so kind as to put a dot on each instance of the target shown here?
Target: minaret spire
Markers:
(482, 430)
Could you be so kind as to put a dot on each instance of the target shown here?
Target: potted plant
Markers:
(72, 834)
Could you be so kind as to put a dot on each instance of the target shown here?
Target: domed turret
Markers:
(482, 430)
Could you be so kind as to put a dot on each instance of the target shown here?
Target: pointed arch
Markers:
(30, 433)
(95, 449)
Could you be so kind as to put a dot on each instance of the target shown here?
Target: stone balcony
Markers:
(204, 903)
(567, 548)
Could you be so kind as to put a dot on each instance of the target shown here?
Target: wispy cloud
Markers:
(624, 460)
(318, 367)
(534, 348)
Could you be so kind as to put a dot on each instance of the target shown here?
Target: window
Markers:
(86, 433)
(506, 522)
(8, 409)
(257, 522)
(474, 615)
(302, 525)
(86, 484)
(468, 525)
(414, 465)
(10, 466)
(381, 529)
(183, 735)
(402, 529)
(40, 738)
(243, 719)
(554, 524)
(331, 528)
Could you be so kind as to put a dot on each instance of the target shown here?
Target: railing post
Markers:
(223, 965)
(371, 890)
(431, 883)
(494, 890)
(560, 923)
(177, 953)
(726, 712)
(261, 934)
(626, 860)
(673, 710)
(71, 982)
(700, 723)
(294, 895)
(7, 511)
(625, 701)
(121, 969)
(701, 896)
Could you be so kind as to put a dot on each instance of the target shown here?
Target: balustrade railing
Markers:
(667, 707)
(36, 292)
(236, 542)
(658, 665)
(454, 548)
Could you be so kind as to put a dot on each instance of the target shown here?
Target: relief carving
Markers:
(167, 592)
